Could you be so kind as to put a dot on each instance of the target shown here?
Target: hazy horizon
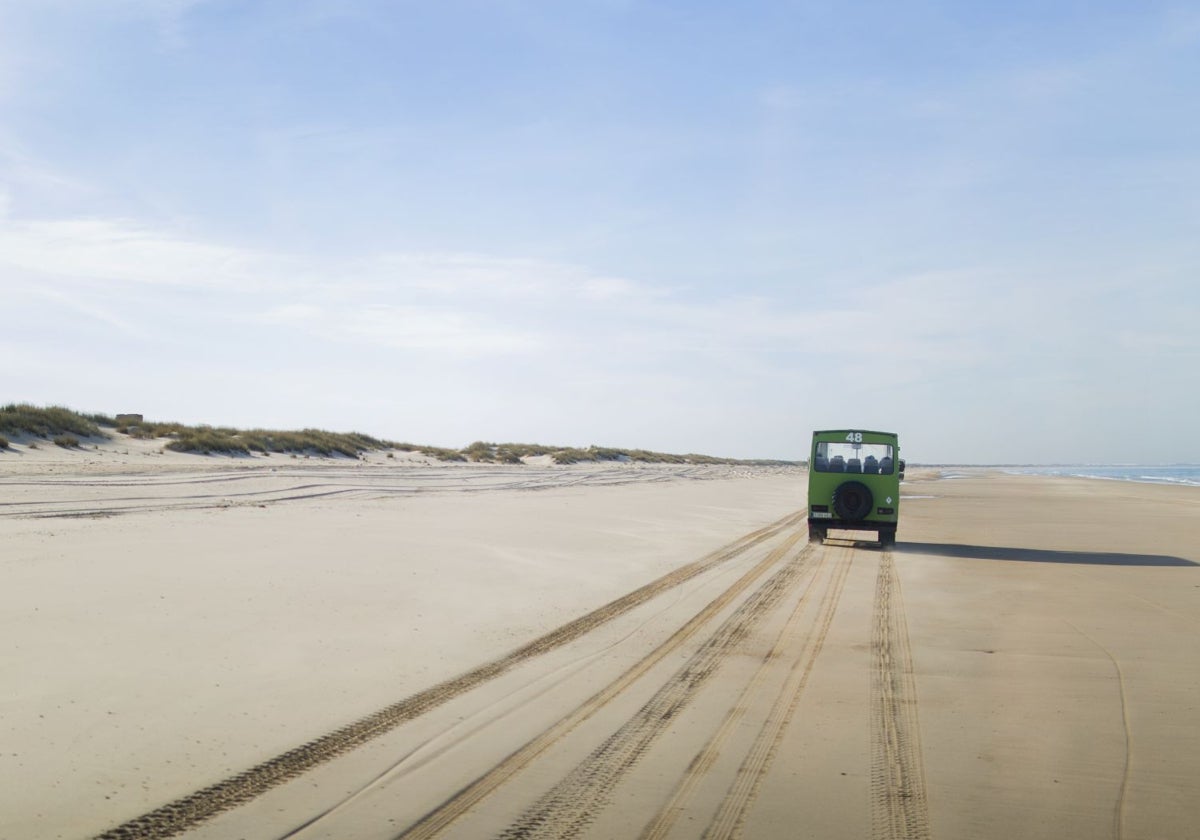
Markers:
(671, 226)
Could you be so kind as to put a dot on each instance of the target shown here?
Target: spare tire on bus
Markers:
(852, 501)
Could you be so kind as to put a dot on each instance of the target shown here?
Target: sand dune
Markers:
(275, 647)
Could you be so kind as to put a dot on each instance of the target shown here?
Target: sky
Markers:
(684, 225)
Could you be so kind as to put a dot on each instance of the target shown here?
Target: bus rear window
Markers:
(862, 458)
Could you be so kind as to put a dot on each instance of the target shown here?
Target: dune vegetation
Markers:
(66, 427)
(22, 419)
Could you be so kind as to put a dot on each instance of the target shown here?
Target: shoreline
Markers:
(1181, 475)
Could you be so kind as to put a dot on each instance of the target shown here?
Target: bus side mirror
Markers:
(901, 469)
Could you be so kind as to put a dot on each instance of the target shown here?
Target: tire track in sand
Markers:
(187, 811)
(571, 805)
(1118, 821)
(758, 758)
(732, 813)
(698, 768)
(899, 807)
(439, 819)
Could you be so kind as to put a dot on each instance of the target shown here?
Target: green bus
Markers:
(854, 480)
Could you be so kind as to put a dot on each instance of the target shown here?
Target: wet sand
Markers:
(275, 647)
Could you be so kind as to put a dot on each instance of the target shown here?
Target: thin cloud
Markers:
(120, 252)
(117, 253)
(22, 171)
(491, 278)
(57, 310)
(405, 328)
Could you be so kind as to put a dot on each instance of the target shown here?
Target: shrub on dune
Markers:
(22, 418)
(57, 423)
(574, 456)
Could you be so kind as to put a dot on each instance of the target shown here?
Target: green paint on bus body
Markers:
(854, 483)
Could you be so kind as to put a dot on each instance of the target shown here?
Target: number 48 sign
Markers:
(854, 437)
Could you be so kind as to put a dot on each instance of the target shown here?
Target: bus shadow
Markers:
(1037, 555)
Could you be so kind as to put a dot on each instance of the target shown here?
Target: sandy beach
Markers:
(277, 647)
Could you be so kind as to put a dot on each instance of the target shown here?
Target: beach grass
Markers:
(46, 422)
(65, 427)
(209, 440)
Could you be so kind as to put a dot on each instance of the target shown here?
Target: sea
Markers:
(1188, 474)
